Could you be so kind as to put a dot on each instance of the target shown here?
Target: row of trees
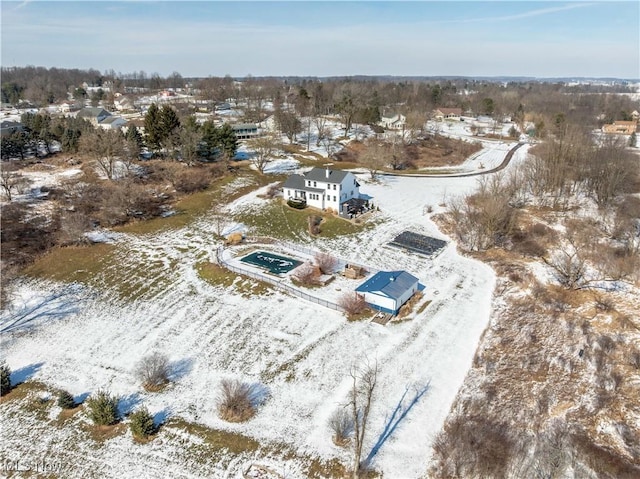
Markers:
(40, 132)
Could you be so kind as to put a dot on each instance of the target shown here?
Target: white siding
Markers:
(380, 300)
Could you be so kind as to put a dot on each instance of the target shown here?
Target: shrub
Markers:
(326, 262)
(341, 424)
(307, 274)
(234, 401)
(352, 303)
(103, 408)
(65, 400)
(5, 379)
(189, 180)
(297, 204)
(153, 371)
(141, 424)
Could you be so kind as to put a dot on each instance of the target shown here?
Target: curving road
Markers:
(501, 166)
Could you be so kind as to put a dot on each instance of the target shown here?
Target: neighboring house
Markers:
(223, 106)
(94, 115)
(8, 128)
(112, 123)
(323, 188)
(387, 291)
(245, 131)
(621, 128)
(393, 122)
(124, 103)
(452, 114)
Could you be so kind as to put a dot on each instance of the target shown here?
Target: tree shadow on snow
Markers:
(161, 417)
(21, 375)
(81, 398)
(399, 413)
(179, 369)
(258, 394)
(127, 404)
(56, 305)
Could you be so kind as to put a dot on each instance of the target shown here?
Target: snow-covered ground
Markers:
(301, 353)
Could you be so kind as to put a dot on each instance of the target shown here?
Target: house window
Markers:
(314, 184)
(328, 186)
(308, 183)
(334, 199)
(334, 187)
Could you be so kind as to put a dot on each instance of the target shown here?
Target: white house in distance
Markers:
(323, 188)
(387, 291)
(393, 122)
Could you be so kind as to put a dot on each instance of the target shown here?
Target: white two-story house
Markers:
(323, 188)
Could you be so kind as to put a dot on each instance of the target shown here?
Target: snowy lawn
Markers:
(300, 353)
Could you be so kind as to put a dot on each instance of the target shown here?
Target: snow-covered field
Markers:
(301, 353)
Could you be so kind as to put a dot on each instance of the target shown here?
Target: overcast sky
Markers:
(202, 38)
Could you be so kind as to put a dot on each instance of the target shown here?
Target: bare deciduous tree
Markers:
(307, 274)
(107, 147)
(374, 157)
(364, 379)
(264, 147)
(11, 180)
(326, 262)
(153, 371)
(341, 424)
(236, 400)
(352, 303)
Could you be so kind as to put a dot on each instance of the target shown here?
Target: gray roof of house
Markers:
(113, 119)
(391, 283)
(295, 182)
(320, 174)
(92, 112)
(244, 126)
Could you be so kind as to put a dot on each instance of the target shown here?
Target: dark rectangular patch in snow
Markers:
(418, 243)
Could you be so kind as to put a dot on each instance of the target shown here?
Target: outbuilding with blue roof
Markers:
(387, 291)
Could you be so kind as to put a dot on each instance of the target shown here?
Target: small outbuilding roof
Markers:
(390, 283)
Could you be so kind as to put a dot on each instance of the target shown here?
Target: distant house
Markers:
(245, 131)
(452, 114)
(323, 188)
(221, 106)
(124, 103)
(393, 122)
(387, 291)
(94, 115)
(112, 123)
(621, 128)
(8, 128)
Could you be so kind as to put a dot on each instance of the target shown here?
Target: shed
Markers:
(387, 291)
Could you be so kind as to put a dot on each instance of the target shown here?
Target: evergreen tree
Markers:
(142, 425)
(103, 408)
(153, 127)
(5, 379)
(170, 127)
(133, 136)
(66, 401)
(228, 141)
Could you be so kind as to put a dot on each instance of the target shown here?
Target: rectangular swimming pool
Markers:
(273, 263)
